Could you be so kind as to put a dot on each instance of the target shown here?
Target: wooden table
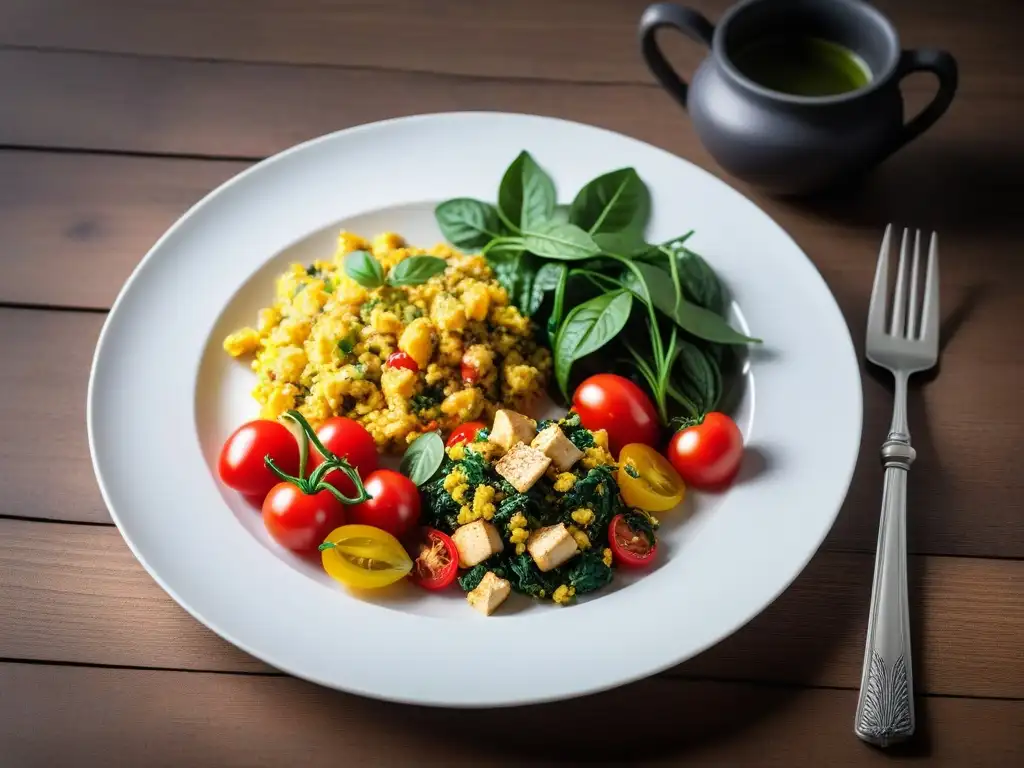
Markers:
(116, 115)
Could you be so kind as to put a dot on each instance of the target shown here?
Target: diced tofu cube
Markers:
(476, 542)
(491, 592)
(553, 443)
(510, 428)
(550, 547)
(522, 466)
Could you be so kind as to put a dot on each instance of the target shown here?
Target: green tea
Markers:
(802, 66)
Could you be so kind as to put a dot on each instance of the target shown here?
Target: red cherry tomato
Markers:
(630, 548)
(708, 455)
(470, 373)
(401, 360)
(241, 464)
(299, 521)
(620, 407)
(465, 433)
(393, 506)
(348, 440)
(436, 560)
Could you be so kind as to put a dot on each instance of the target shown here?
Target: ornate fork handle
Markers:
(885, 708)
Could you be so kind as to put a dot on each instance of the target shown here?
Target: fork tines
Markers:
(906, 319)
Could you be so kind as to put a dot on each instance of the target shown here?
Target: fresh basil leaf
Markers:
(415, 270)
(422, 458)
(698, 376)
(699, 282)
(614, 202)
(545, 279)
(527, 194)
(563, 242)
(467, 223)
(364, 269)
(702, 323)
(628, 242)
(587, 328)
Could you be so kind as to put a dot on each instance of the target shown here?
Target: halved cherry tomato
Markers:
(393, 506)
(708, 455)
(470, 373)
(364, 557)
(401, 360)
(349, 440)
(299, 521)
(630, 547)
(241, 464)
(647, 480)
(617, 405)
(437, 560)
(465, 433)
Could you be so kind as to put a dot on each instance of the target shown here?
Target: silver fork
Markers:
(907, 344)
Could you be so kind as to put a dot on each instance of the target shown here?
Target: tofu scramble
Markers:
(529, 506)
(322, 347)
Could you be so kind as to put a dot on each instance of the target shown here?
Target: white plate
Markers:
(163, 396)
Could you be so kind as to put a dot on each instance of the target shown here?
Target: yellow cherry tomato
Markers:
(647, 480)
(364, 557)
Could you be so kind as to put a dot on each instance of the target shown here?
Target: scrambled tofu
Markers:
(510, 428)
(322, 346)
(476, 542)
(490, 593)
(522, 466)
(553, 443)
(550, 547)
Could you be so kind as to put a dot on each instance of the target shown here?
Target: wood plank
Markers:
(971, 506)
(89, 219)
(579, 40)
(80, 596)
(180, 718)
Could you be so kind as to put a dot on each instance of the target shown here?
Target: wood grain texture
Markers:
(576, 40)
(173, 718)
(968, 506)
(80, 596)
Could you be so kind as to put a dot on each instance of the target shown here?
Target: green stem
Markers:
(499, 243)
(673, 267)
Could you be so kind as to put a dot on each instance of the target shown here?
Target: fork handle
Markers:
(885, 707)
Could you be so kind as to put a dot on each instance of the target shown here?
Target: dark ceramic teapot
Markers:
(782, 141)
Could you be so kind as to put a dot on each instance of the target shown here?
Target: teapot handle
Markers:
(690, 23)
(943, 66)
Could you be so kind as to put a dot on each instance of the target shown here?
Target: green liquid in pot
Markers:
(802, 66)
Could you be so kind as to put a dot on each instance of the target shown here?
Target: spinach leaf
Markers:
(628, 242)
(699, 378)
(415, 270)
(557, 308)
(562, 242)
(422, 458)
(699, 282)
(588, 573)
(526, 196)
(505, 265)
(543, 280)
(467, 223)
(702, 323)
(364, 269)
(615, 202)
(587, 328)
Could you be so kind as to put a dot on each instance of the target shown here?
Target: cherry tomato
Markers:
(631, 548)
(364, 557)
(299, 521)
(647, 480)
(401, 360)
(393, 506)
(437, 560)
(465, 433)
(470, 373)
(348, 440)
(241, 465)
(708, 455)
(620, 407)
